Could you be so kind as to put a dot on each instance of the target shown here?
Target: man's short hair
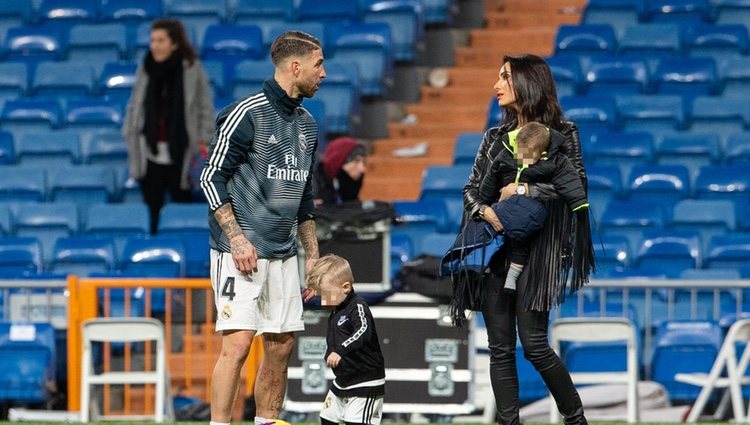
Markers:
(330, 268)
(534, 136)
(293, 43)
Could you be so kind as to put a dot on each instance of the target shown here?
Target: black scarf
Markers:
(349, 188)
(165, 100)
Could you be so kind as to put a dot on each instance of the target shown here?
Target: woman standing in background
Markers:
(169, 114)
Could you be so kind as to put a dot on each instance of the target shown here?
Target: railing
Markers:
(188, 315)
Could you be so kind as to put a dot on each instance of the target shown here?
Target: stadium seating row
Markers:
(622, 13)
(613, 75)
(651, 41)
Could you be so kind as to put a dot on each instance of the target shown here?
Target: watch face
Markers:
(521, 190)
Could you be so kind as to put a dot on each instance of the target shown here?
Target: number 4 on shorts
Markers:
(227, 290)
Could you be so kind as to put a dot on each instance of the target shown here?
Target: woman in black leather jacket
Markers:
(561, 254)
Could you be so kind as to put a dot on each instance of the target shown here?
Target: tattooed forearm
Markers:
(308, 238)
(225, 216)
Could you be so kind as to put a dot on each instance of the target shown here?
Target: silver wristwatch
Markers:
(521, 189)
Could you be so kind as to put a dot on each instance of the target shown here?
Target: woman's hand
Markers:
(491, 217)
(508, 191)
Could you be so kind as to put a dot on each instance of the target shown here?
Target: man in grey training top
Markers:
(258, 182)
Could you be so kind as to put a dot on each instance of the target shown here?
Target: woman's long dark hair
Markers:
(176, 32)
(536, 95)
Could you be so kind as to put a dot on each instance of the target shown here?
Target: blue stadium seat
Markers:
(612, 254)
(681, 12)
(369, 46)
(317, 109)
(604, 185)
(406, 19)
(129, 189)
(83, 184)
(48, 150)
(47, 222)
(197, 14)
(5, 222)
(131, 13)
(82, 256)
(265, 14)
(466, 147)
(314, 28)
(401, 251)
(189, 223)
(723, 182)
(153, 257)
(440, 182)
(23, 184)
(20, 257)
(118, 221)
(623, 150)
(340, 95)
(657, 114)
(249, 76)
(719, 42)
(231, 44)
(7, 149)
(692, 150)
(437, 244)
(618, 13)
(15, 14)
(731, 251)
(613, 75)
(125, 302)
(731, 11)
(215, 73)
(107, 149)
(63, 80)
(27, 362)
(116, 80)
(566, 71)
(328, 11)
(684, 346)
(88, 117)
(650, 41)
(688, 77)
(598, 113)
(735, 76)
(24, 115)
(33, 44)
(417, 219)
(737, 148)
(98, 44)
(438, 11)
(709, 216)
(659, 184)
(585, 40)
(670, 251)
(494, 114)
(719, 115)
(14, 80)
(63, 14)
(630, 219)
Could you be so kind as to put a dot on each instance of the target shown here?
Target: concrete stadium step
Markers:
(435, 112)
(436, 147)
(473, 77)
(501, 39)
(514, 19)
(429, 130)
(386, 188)
(483, 57)
(536, 6)
(466, 95)
(409, 168)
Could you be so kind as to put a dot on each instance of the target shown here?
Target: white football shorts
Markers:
(267, 301)
(359, 410)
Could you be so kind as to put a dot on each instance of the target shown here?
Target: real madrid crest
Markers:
(302, 141)
(226, 312)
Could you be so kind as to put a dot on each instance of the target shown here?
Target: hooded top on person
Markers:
(333, 183)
